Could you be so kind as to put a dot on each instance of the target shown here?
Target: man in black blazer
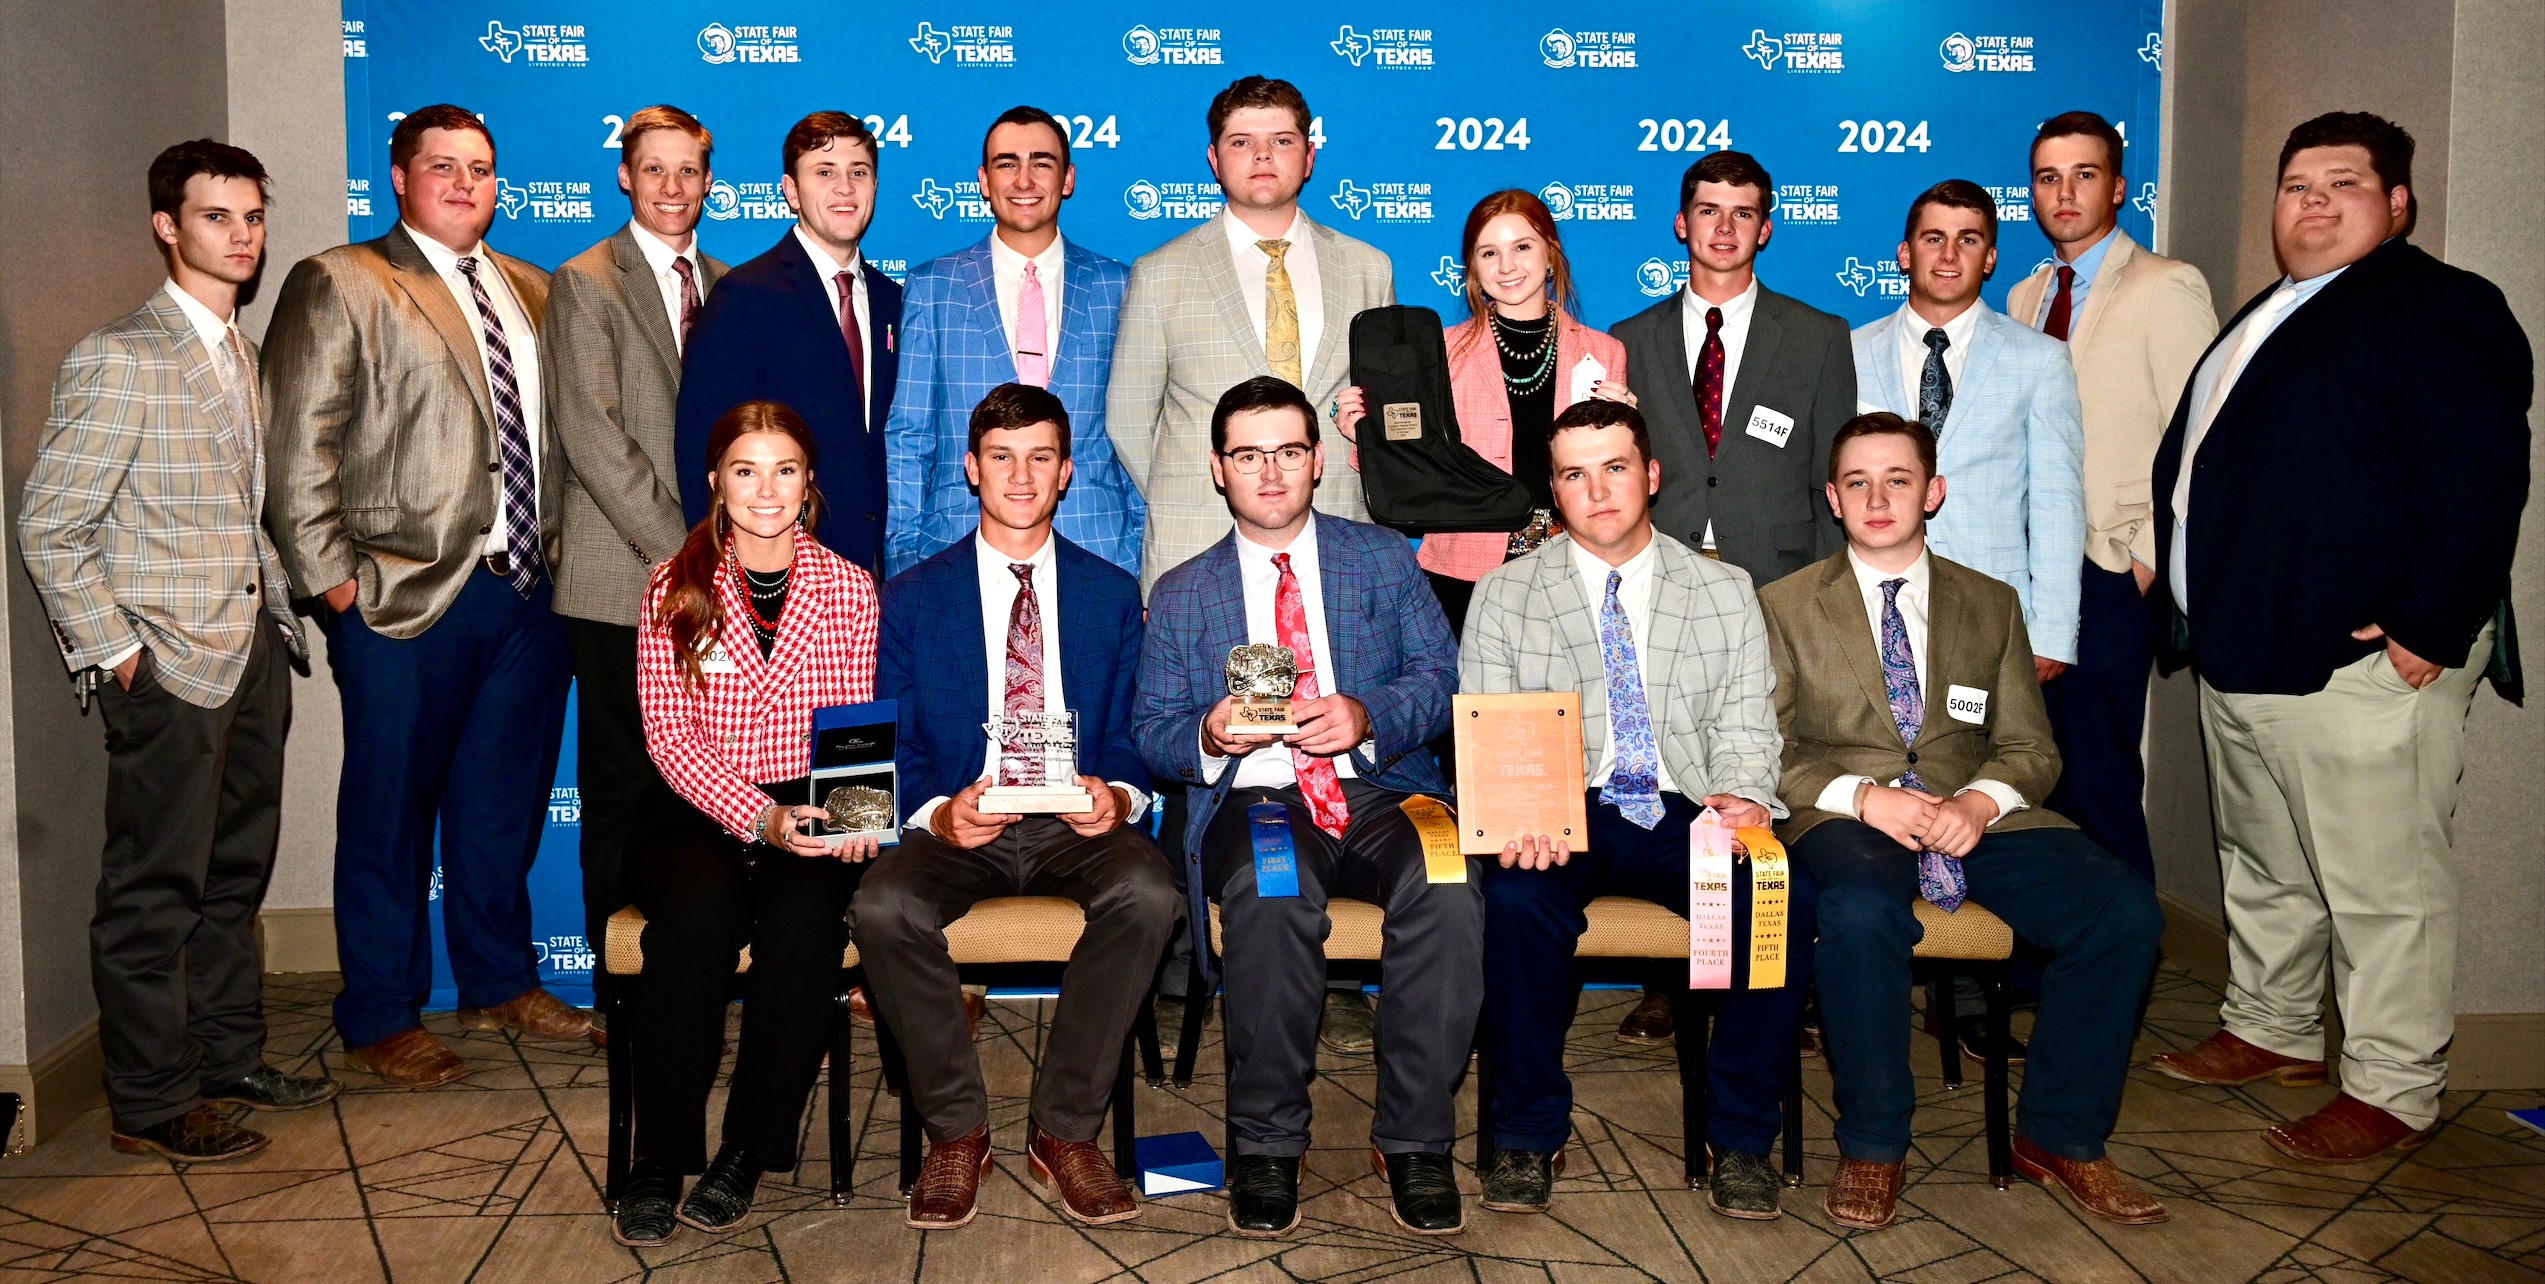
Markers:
(1743, 390)
(2339, 643)
(810, 323)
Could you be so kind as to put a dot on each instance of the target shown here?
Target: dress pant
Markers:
(1274, 970)
(706, 895)
(2098, 713)
(193, 805)
(914, 890)
(616, 778)
(2336, 817)
(1535, 918)
(2057, 890)
(455, 728)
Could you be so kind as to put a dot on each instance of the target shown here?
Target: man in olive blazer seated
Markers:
(1891, 804)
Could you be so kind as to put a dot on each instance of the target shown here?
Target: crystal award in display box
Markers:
(1261, 679)
(853, 774)
(1038, 766)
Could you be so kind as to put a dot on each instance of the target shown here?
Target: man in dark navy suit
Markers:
(809, 323)
(1014, 622)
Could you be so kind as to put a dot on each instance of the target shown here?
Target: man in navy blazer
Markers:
(1376, 668)
(809, 323)
(1025, 304)
(1011, 624)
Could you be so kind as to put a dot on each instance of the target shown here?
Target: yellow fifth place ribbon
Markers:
(1771, 880)
(1439, 832)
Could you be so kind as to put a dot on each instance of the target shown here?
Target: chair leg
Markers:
(1792, 1108)
(1126, 1130)
(1197, 1007)
(622, 1092)
(842, 1095)
(1939, 1014)
(1144, 1033)
(1689, 1013)
(2001, 1156)
(888, 1054)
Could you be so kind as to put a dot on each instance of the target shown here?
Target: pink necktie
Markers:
(1033, 352)
(1317, 779)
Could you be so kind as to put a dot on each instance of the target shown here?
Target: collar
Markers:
(444, 259)
(1242, 238)
(1302, 549)
(2306, 289)
(213, 330)
(1006, 258)
(1592, 567)
(1736, 311)
(2090, 262)
(1959, 329)
(1869, 581)
(823, 264)
(993, 561)
(658, 255)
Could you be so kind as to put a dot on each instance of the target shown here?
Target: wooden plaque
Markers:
(1519, 769)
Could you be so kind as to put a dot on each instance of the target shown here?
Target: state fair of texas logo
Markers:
(970, 45)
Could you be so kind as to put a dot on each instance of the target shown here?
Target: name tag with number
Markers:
(718, 662)
(1770, 426)
(1966, 704)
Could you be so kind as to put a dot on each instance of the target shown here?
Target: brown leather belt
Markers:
(499, 565)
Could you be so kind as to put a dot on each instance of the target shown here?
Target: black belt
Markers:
(499, 565)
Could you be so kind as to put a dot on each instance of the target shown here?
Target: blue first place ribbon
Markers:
(1276, 856)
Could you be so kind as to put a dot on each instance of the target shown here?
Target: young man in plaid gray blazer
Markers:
(139, 527)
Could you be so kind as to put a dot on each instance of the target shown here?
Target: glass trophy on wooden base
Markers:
(1038, 766)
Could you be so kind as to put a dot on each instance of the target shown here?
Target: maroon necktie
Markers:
(849, 331)
(688, 298)
(1020, 764)
(1709, 380)
(2056, 324)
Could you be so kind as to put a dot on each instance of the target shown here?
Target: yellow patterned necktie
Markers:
(1281, 315)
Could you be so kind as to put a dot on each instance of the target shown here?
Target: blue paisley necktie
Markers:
(1634, 780)
(1940, 878)
(1935, 383)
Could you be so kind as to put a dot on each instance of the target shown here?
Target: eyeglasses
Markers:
(1248, 459)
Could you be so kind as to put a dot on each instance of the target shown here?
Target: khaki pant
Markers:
(2335, 817)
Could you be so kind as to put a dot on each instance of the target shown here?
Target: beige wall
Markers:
(2465, 77)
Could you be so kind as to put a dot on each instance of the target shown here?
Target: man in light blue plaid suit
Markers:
(2002, 400)
(139, 528)
(965, 329)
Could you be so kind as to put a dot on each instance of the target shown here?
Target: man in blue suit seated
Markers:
(1376, 668)
(1011, 625)
(809, 323)
(1025, 305)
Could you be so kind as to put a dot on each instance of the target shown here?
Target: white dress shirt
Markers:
(1634, 593)
(2212, 380)
(1300, 261)
(521, 340)
(830, 268)
(1912, 330)
(1007, 274)
(658, 259)
(1270, 767)
(998, 603)
(1736, 339)
(1840, 794)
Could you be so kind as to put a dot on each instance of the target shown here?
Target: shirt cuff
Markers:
(1136, 800)
(2004, 795)
(927, 813)
(119, 657)
(1212, 764)
(1840, 795)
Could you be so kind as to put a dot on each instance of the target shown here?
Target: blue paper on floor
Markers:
(1177, 1164)
(2533, 1118)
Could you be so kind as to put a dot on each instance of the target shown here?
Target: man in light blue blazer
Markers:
(2002, 399)
(966, 328)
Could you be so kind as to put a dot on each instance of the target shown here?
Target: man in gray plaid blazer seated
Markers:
(1669, 652)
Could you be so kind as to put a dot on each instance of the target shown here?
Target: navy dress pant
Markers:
(455, 729)
(2098, 711)
(1535, 918)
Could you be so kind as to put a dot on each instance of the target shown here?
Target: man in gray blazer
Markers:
(1669, 653)
(618, 320)
(415, 491)
(1744, 387)
(139, 529)
(1261, 289)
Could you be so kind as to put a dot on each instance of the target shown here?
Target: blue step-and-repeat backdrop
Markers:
(1421, 108)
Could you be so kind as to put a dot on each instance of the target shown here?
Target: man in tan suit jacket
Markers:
(1212, 308)
(414, 489)
(618, 321)
(2135, 323)
(1915, 744)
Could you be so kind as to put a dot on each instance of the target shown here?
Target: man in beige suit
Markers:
(1261, 289)
(1915, 744)
(414, 488)
(618, 321)
(2135, 323)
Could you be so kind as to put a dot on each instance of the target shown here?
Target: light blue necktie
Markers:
(1634, 780)
(1940, 878)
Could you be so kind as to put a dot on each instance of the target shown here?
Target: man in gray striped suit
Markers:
(1260, 289)
(618, 321)
(139, 527)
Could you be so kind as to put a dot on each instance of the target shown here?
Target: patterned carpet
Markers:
(496, 1179)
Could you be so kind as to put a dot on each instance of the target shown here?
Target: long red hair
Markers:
(691, 611)
(1560, 295)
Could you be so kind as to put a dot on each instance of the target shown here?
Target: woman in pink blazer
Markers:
(1518, 361)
